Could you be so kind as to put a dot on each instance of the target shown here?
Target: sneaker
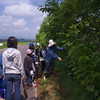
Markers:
(44, 76)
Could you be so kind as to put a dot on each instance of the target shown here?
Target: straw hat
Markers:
(51, 42)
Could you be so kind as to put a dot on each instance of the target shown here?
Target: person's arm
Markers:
(20, 64)
(3, 64)
(41, 55)
(1, 60)
(54, 55)
(58, 48)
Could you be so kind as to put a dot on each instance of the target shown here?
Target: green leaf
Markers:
(94, 75)
(90, 88)
(77, 71)
(73, 69)
(96, 93)
(99, 98)
(79, 76)
(85, 81)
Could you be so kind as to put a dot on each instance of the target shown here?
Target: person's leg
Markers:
(46, 70)
(26, 76)
(1, 77)
(2, 93)
(36, 67)
(42, 65)
(30, 78)
(47, 67)
(52, 69)
(17, 82)
(9, 80)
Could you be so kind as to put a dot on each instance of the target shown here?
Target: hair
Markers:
(12, 42)
(44, 45)
(32, 47)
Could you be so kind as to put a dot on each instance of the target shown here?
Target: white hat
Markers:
(51, 42)
(1, 44)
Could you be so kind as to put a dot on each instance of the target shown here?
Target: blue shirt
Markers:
(51, 53)
(1, 72)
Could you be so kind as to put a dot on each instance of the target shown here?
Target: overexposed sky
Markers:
(20, 18)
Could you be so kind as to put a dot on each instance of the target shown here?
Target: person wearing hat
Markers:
(51, 56)
(37, 50)
(31, 46)
(28, 67)
(37, 58)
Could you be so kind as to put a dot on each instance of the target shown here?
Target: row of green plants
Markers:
(75, 23)
(19, 43)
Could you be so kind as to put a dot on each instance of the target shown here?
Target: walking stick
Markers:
(25, 93)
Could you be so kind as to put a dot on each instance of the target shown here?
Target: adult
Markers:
(51, 56)
(13, 68)
(2, 90)
(43, 56)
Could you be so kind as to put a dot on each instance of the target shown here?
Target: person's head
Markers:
(51, 43)
(43, 46)
(31, 46)
(37, 45)
(29, 52)
(12, 42)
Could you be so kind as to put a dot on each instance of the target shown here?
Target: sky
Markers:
(20, 18)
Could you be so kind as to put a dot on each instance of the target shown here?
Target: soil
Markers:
(47, 89)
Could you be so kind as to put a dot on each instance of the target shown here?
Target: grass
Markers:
(19, 43)
(62, 87)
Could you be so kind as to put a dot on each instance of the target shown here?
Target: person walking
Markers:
(51, 56)
(13, 68)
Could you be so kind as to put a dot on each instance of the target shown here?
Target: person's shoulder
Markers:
(27, 58)
(17, 51)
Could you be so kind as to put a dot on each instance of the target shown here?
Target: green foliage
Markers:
(75, 23)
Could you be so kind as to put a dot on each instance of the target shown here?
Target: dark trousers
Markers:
(43, 65)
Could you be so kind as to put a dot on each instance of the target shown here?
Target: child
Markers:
(33, 72)
(28, 68)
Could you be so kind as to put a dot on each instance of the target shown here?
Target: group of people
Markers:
(13, 70)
